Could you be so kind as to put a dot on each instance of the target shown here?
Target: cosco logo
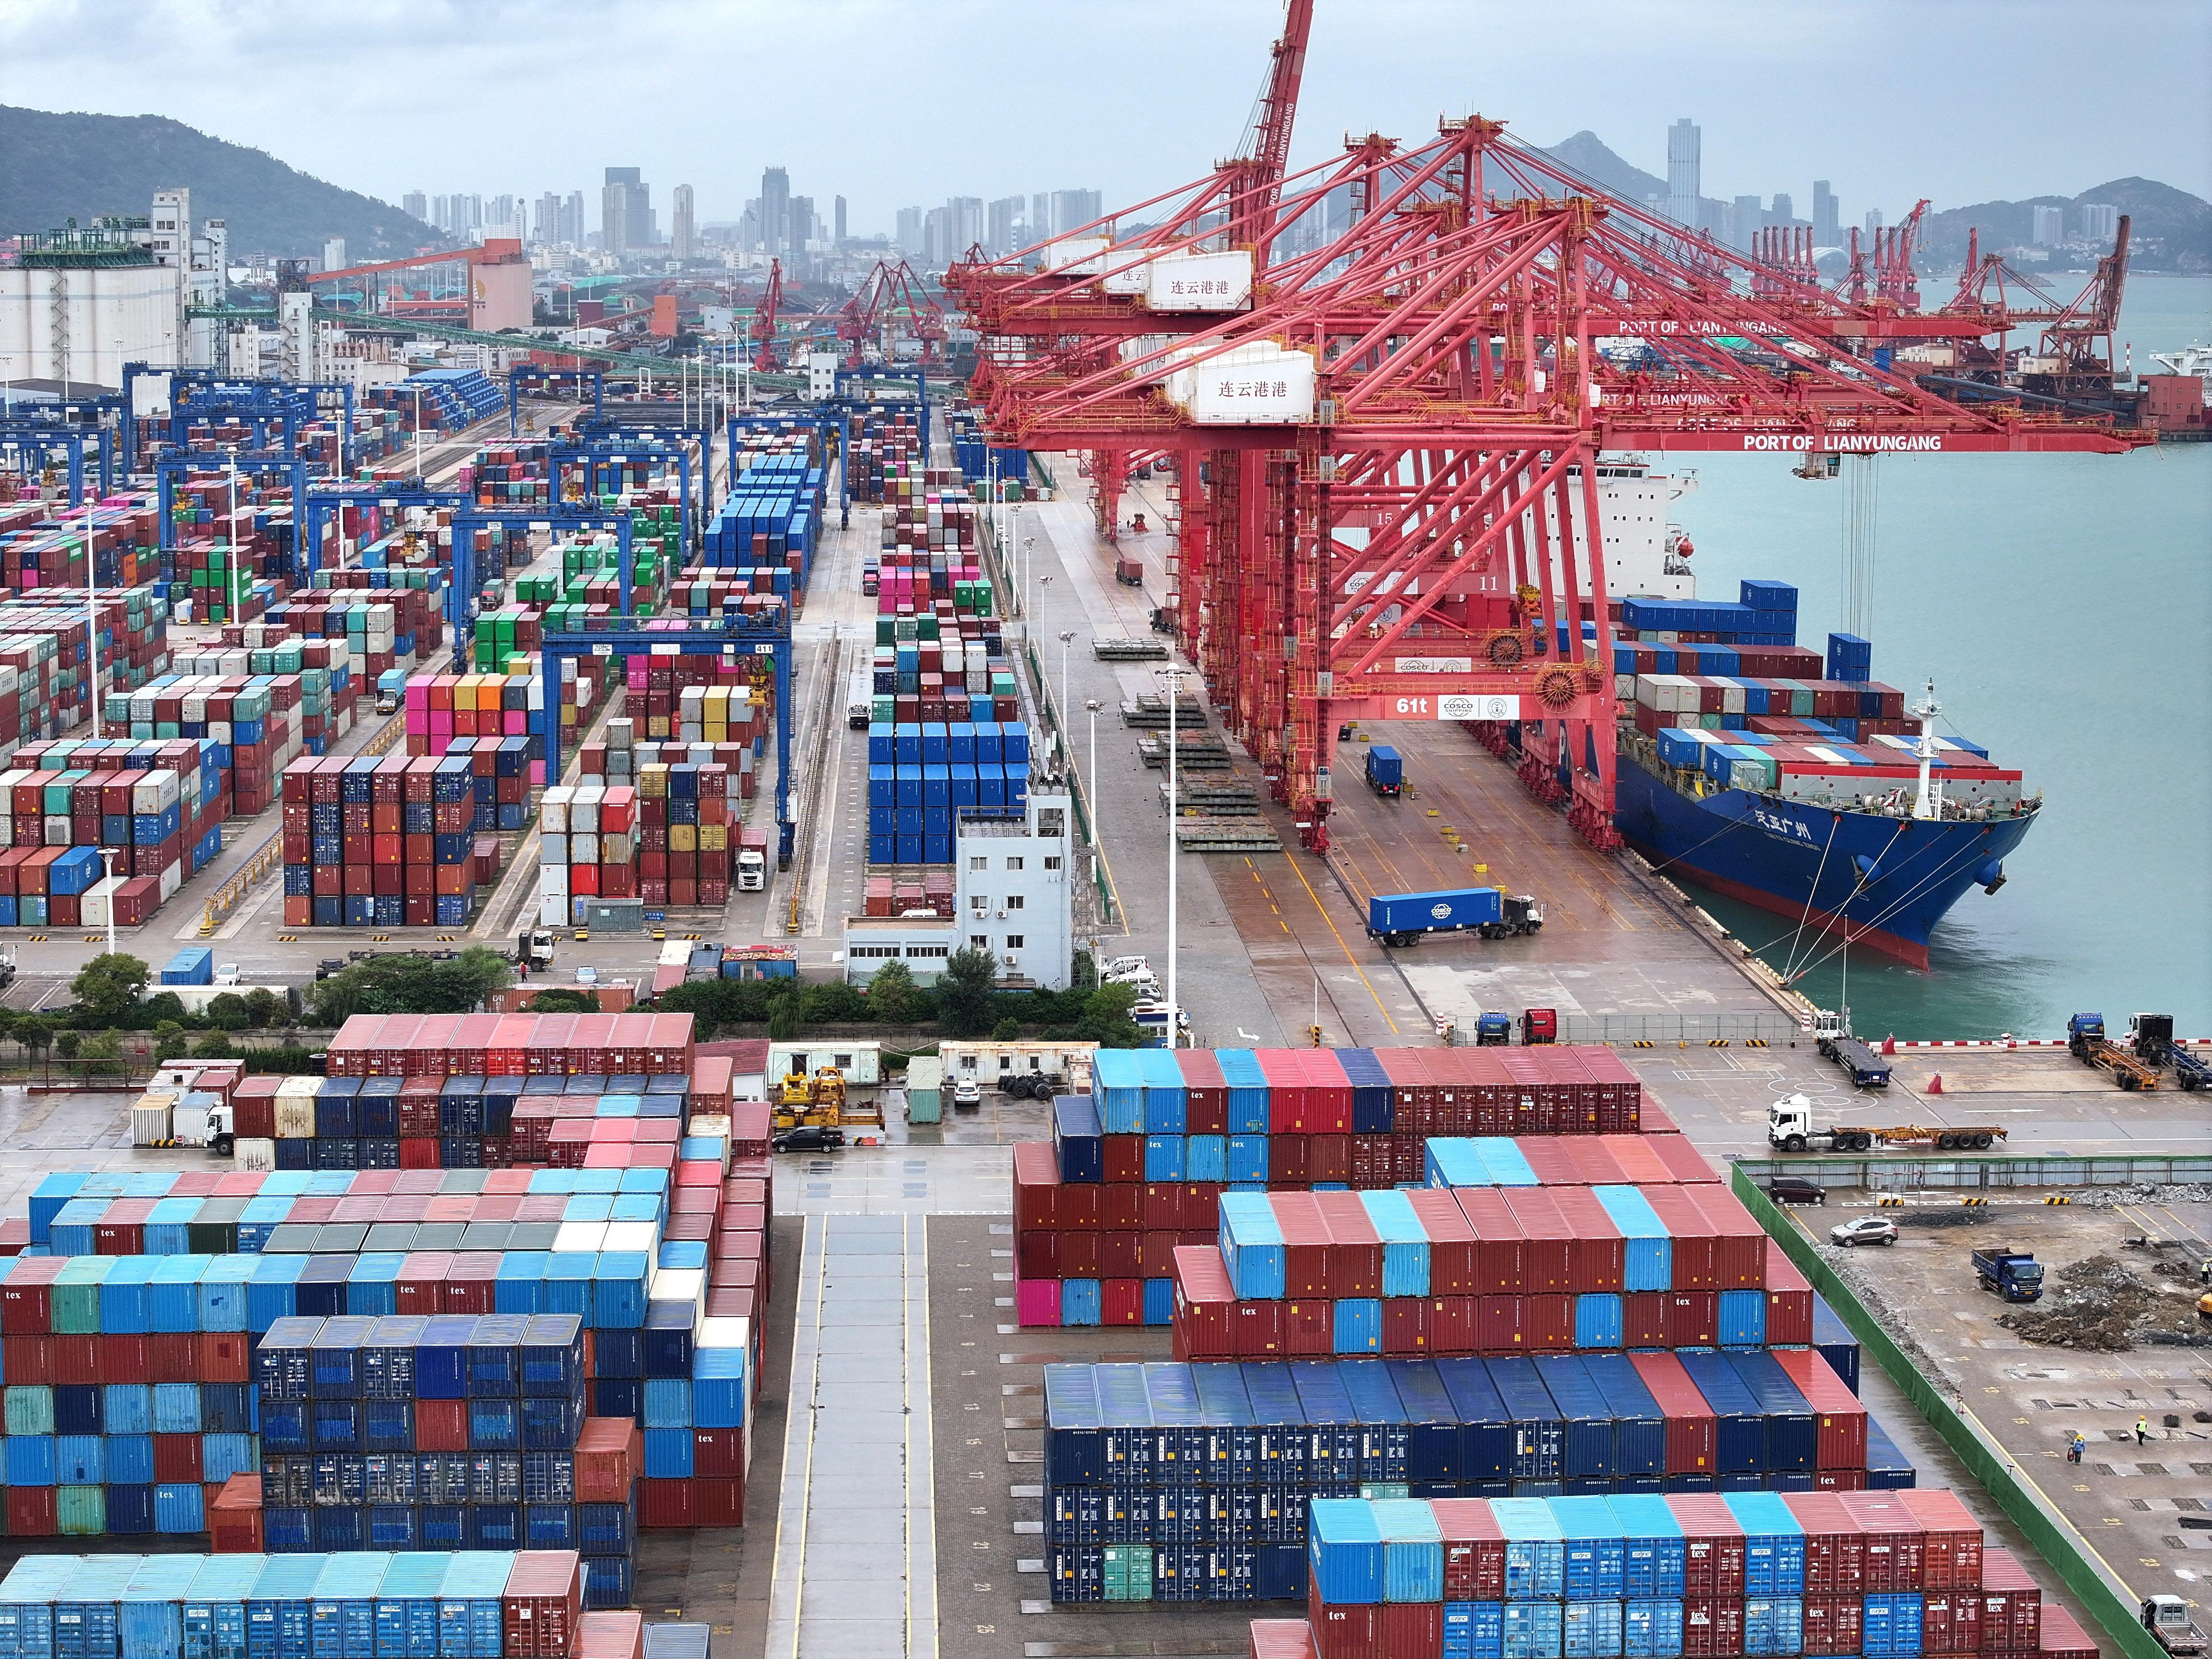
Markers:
(1440, 912)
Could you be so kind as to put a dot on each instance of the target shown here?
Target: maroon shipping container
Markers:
(1643, 1316)
(1122, 1299)
(1501, 1246)
(1549, 1255)
(1693, 1436)
(1693, 1319)
(1036, 1256)
(1713, 1627)
(1740, 1245)
(1896, 1543)
(544, 1601)
(76, 1359)
(176, 1457)
(1406, 1328)
(1160, 1205)
(1079, 1205)
(1713, 1543)
(1351, 1631)
(1951, 1620)
(1451, 1322)
(1839, 1480)
(1125, 1159)
(609, 1455)
(1474, 1550)
(1120, 1255)
(1835, 1548)
(1257, 1331)
(1452, 1248)
(1599, 1257)
(2061, 1636)
(1328, 1158)
(1953, 1557)
(1834, 1624)
(1205, 1305)
(718, 1451)
(174, 1357)
(1789, 1302)
(1693, 1236)
(2012, 1605)
(1498, 1325)
(470, 1289)
(1205, 1095)
(666, 1505)
(26, 1299)
(1036, 1187)
(31, 1512)
(1840, 1423)
(1079, 1254)
(441, 1425)
(1355, 1248)
(1308, 1329)
(1156, 1249)
(126, 1358)
(1289, 1157)
(1305, 1244)
(1121, 1208)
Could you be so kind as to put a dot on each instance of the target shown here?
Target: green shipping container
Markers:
(28, 1408)
(81, 1510)
(1129, 1572)
(74, 1304)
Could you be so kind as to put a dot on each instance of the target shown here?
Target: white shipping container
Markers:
(150, 1125)
(581, 1235)
(553, 849)
(553, 811)
(255, 1153)
(630, 1235)
(1200, 282)
(296, 1117)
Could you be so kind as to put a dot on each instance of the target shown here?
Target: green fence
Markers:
(2054, 1540)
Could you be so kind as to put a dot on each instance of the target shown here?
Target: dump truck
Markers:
(2167, 1618)
(2015, 1275)
(1400, 919)
(1790, 1125)
(1832, 1035)
(2086, 1041)
(2151, 1036)
(1386, 772)
(1494, 1030)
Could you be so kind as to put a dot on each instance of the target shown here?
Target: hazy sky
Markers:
(898, 101)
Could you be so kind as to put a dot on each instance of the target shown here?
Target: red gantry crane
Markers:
(1389, 442)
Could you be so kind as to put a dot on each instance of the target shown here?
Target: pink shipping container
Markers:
(1037, 1302)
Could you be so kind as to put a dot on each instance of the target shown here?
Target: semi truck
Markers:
(1401, 919)
(1386, 772)
(859, 700)
(1790, 1125)
(752, 861)
(2086, 1041)
(1832, 1035)
(2151, 1036)
(2013, 1275)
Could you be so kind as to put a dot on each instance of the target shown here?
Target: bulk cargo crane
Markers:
(890, 296)
(1390, 444)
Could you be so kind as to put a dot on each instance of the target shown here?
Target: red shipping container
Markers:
(126, 1358)
(1079, 1254)
(225, 1357)
(1693, 1436)
(1740, 1245)
(1205, 1095)
(718, 1501)
(1835, 1548)
(1121, 1208)
(1256, 1329)
(1693, 1319)
(1305, 1244)
(1120, 1255)
(1453, 1265)
(1349, 1630)
(1835, 1623)
(1713, 1627)
(1549, 1249)
(470, 1290)
(609, 1455)
(1036, 1187)
(1283, 1638)
(544, 1601)
(1160, 1206)
(441, 1425)
(26, 1356)
(1896, 1543)
(1643, 1317)
(665, 1505)
(1123, 1299)
(1951, 1620)
(611, 1634)
(1308, 1329)
(2012, 1605)
(1204, 1304)
(1789, 1302)
(1840, 1423)
(234, 1516)
(1497, 1325)
(1413, 1629)
(25, 1298)
(422, 1284)
(1406, 1327)
(1156, 1250)
(1599, 1257)
(2061, 1636)
(1953, 1558)
(1693, 1237)
(31, 1511)
(1125, 1159)
(174, 1357)
(75, 1359)
(1474, 1550)
(1452, 1323)
(176, 1457)
(1355, 1248)
(1501, 1248)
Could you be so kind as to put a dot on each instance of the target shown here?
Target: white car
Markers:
(1867, 1230)
(588, 976)
(1115, 966)
(967, 1091)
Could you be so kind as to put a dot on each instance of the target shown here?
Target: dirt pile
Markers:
(2100, 1305)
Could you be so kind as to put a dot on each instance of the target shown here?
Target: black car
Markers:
(1795, 1190)
(809, 1138)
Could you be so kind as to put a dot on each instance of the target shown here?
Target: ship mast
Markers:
(1930, 802)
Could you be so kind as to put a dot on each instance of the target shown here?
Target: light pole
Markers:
(108, 869)
(1029, 552)
(418, 434)
(1090, 789)
(1066, 638)
(1174, 678)
(230, 545)
(92, 621)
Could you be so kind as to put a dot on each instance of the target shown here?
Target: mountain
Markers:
(80, 166)
(2171, 229)
(1586, 154)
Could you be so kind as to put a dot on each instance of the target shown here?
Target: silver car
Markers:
(1866, 1230)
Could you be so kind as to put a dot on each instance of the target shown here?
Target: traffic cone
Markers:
(1935, 1084)
(1889, 1044)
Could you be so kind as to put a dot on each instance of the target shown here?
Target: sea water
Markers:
(2063, 606)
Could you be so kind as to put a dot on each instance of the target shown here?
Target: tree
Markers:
(216, 1045)
(784, 1018)
(169, 1040)
(103, 1052)
(1007, 1031)
(966, 992)
(107, 984)
(264, 1008)
(68, 1043)
(559, 999)
(163, 1005)
(1106, 1019)
(33, 1031)
(412, 984)
(893, 996)
(228, 1012)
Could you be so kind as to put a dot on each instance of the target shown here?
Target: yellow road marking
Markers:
(1321, 910)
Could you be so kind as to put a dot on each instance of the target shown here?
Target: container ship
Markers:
(1787, 777)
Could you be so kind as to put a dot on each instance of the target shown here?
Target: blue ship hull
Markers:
(1885, 883)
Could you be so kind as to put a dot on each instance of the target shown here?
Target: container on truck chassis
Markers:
(1405, 918)
(859, 702)
(2014, 1275)
(1789, 1125)
(1832, 1035)
(1386, 773)
(2151, 1036)
(2086, 1041)
(752, 861)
